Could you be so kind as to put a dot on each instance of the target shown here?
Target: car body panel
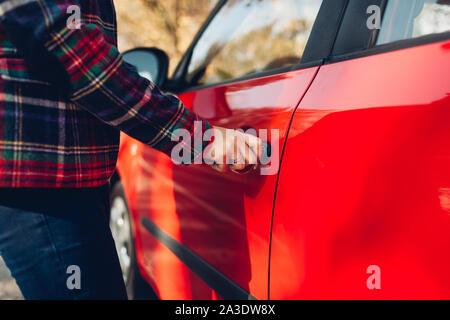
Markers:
(365, 181)
(225, 219)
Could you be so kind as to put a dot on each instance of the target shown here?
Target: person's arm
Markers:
(90, 72)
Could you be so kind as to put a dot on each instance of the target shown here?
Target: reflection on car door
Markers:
(373, 158)
(225, 219)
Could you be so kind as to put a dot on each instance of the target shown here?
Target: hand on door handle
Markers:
(266, 150)
(235, 150)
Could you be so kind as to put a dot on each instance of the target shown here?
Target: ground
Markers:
(8, 287)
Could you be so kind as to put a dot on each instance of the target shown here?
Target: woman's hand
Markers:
(233, 149)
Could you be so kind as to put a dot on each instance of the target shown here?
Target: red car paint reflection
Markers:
(364, 180)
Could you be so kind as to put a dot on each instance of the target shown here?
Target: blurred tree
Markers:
(167, 24)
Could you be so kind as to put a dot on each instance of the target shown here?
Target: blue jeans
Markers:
(58, 245)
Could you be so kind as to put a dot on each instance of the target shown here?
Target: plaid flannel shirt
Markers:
(65, 93)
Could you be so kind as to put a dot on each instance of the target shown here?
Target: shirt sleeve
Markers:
(90, 72)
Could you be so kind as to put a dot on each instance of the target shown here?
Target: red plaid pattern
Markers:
(66, 93)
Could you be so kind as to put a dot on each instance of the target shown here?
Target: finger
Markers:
(231, 149)
(255, 144)
(239, 165)
(235, 156)
(222, 168)
(208, 154)
(250, 155)
(220, 152)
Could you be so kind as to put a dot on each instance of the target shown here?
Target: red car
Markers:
(358, 203)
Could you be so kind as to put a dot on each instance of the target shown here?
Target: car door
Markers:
(363, 202)
(204, 234)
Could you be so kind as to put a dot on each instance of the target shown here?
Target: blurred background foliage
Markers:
(249, 37)
(167, 24)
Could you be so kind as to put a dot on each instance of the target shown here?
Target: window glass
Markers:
(405, 19)
(250, 36)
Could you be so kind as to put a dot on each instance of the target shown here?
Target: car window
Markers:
(251, 36)
(405, 19)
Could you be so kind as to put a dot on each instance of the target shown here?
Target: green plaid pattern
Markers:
(65, 95)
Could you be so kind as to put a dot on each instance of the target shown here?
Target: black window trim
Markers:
(391, 47)
(216, 280)
(317, 51)
(374, 49)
